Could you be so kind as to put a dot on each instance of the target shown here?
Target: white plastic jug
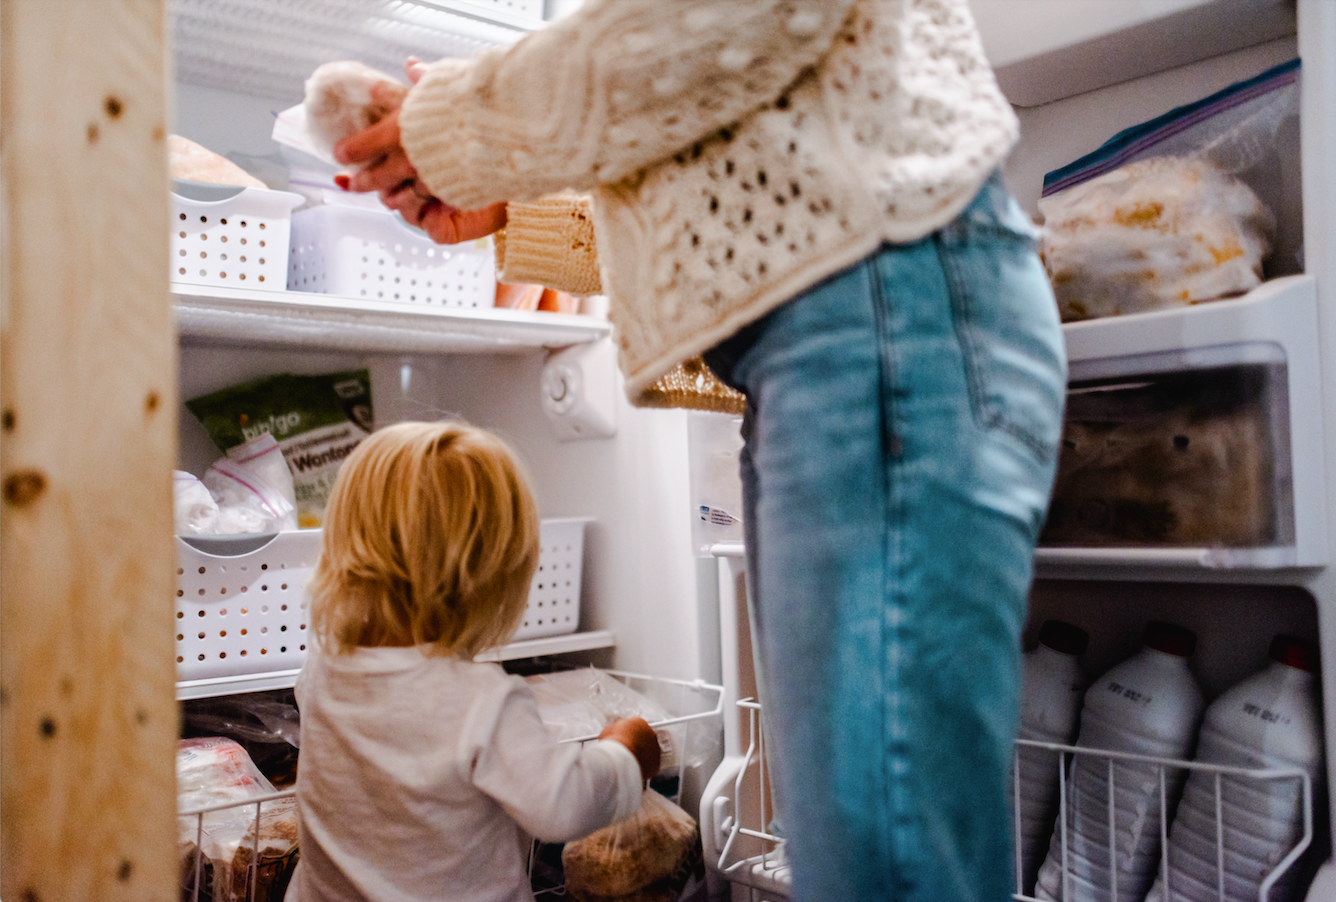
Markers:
(1050, 712)
(1270, 720)
(1149, 704)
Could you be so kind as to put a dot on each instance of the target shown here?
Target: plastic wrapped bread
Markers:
(1159, 232)
(343, 98)
(649, 857)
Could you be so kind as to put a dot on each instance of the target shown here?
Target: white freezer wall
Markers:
(640, 577)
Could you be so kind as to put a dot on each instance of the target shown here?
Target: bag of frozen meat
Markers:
(316, 420)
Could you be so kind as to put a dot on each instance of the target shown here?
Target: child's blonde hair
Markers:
(431, 537)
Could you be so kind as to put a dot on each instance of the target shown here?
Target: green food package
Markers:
(317, 420)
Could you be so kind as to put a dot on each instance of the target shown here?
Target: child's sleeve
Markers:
(554, 791)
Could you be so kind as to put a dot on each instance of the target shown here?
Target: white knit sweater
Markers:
(737, 151)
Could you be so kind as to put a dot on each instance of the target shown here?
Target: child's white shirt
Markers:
(424, 777)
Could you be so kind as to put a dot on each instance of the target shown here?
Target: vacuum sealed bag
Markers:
(316, 420)
(1193, 206)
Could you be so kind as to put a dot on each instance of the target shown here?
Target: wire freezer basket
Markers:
(747, 855)
(261, 875)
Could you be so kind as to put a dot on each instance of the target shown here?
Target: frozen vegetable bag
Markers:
(317, 421)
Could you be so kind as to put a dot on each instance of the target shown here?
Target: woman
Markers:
(805, 192)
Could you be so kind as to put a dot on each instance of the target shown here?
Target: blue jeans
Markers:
(900, 442)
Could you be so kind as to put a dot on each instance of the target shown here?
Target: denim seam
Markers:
(960, 307)
(898, 823)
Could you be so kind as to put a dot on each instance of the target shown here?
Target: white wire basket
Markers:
(231, 237)
(370, 254)
(753, 858)
(260, 872)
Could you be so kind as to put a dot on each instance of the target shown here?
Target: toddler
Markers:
(422, 774)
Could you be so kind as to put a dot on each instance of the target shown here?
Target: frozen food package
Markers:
(246, 503)
(316, 420)
(649, 857)
(193, 162)
(195, 511)
(341, 99)
(1199, 204)
(1193, 458)
(578, 704)
(222, 857)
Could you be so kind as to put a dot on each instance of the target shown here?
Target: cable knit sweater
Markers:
(736, 151)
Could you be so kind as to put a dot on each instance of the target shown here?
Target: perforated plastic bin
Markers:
(241, 600)
(230, 236)
(554, 594)
(241, 603)
(371, 254)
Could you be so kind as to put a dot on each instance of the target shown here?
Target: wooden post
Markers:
(87, 442)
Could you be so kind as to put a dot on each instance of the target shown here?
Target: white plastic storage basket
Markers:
(239, 240)
(241, 609)
(554, 594)
(241, 605)
(371, 254)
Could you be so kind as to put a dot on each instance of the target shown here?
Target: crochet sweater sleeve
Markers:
(610, 89)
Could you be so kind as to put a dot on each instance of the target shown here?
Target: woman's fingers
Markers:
(371, 143)
(450, 225)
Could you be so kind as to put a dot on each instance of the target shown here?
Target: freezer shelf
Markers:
(275, 865)
(736, 809)
(256, 317)
(286, 679)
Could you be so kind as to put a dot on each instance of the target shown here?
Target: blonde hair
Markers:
(431, 537)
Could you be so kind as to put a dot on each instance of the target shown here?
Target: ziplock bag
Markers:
(1185, 208)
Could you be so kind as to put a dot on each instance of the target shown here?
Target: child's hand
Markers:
(637, 735)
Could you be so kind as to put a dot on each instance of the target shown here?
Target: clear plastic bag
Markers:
(218, 850)
(649, 857)
(1196, 205)
(578, 704)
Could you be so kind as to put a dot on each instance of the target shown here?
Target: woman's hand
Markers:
(637, 735)
(384, 167)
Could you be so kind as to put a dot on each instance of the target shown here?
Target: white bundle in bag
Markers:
(342, 98)
(196, 513)
(246, 502)
(1159, 232)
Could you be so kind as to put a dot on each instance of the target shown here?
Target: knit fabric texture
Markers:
(737, 152)
(550, 241)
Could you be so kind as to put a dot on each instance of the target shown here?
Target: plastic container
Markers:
(371, 254)
(1271, 720)
(1151, 705)
(714, 443)
(1050, 712)
(554, 595)
(241, 600)
(236, 237)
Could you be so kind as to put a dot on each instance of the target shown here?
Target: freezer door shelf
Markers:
(736, 809)
(256, 317)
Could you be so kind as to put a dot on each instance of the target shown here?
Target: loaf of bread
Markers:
(1159, 232)
(343, 98)
(646, 858)
(193, 162)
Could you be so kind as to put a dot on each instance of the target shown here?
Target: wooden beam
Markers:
(87, 442)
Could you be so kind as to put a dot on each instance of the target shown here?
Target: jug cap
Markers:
(1170, 639)
(1063, 637)
(1295, 652)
